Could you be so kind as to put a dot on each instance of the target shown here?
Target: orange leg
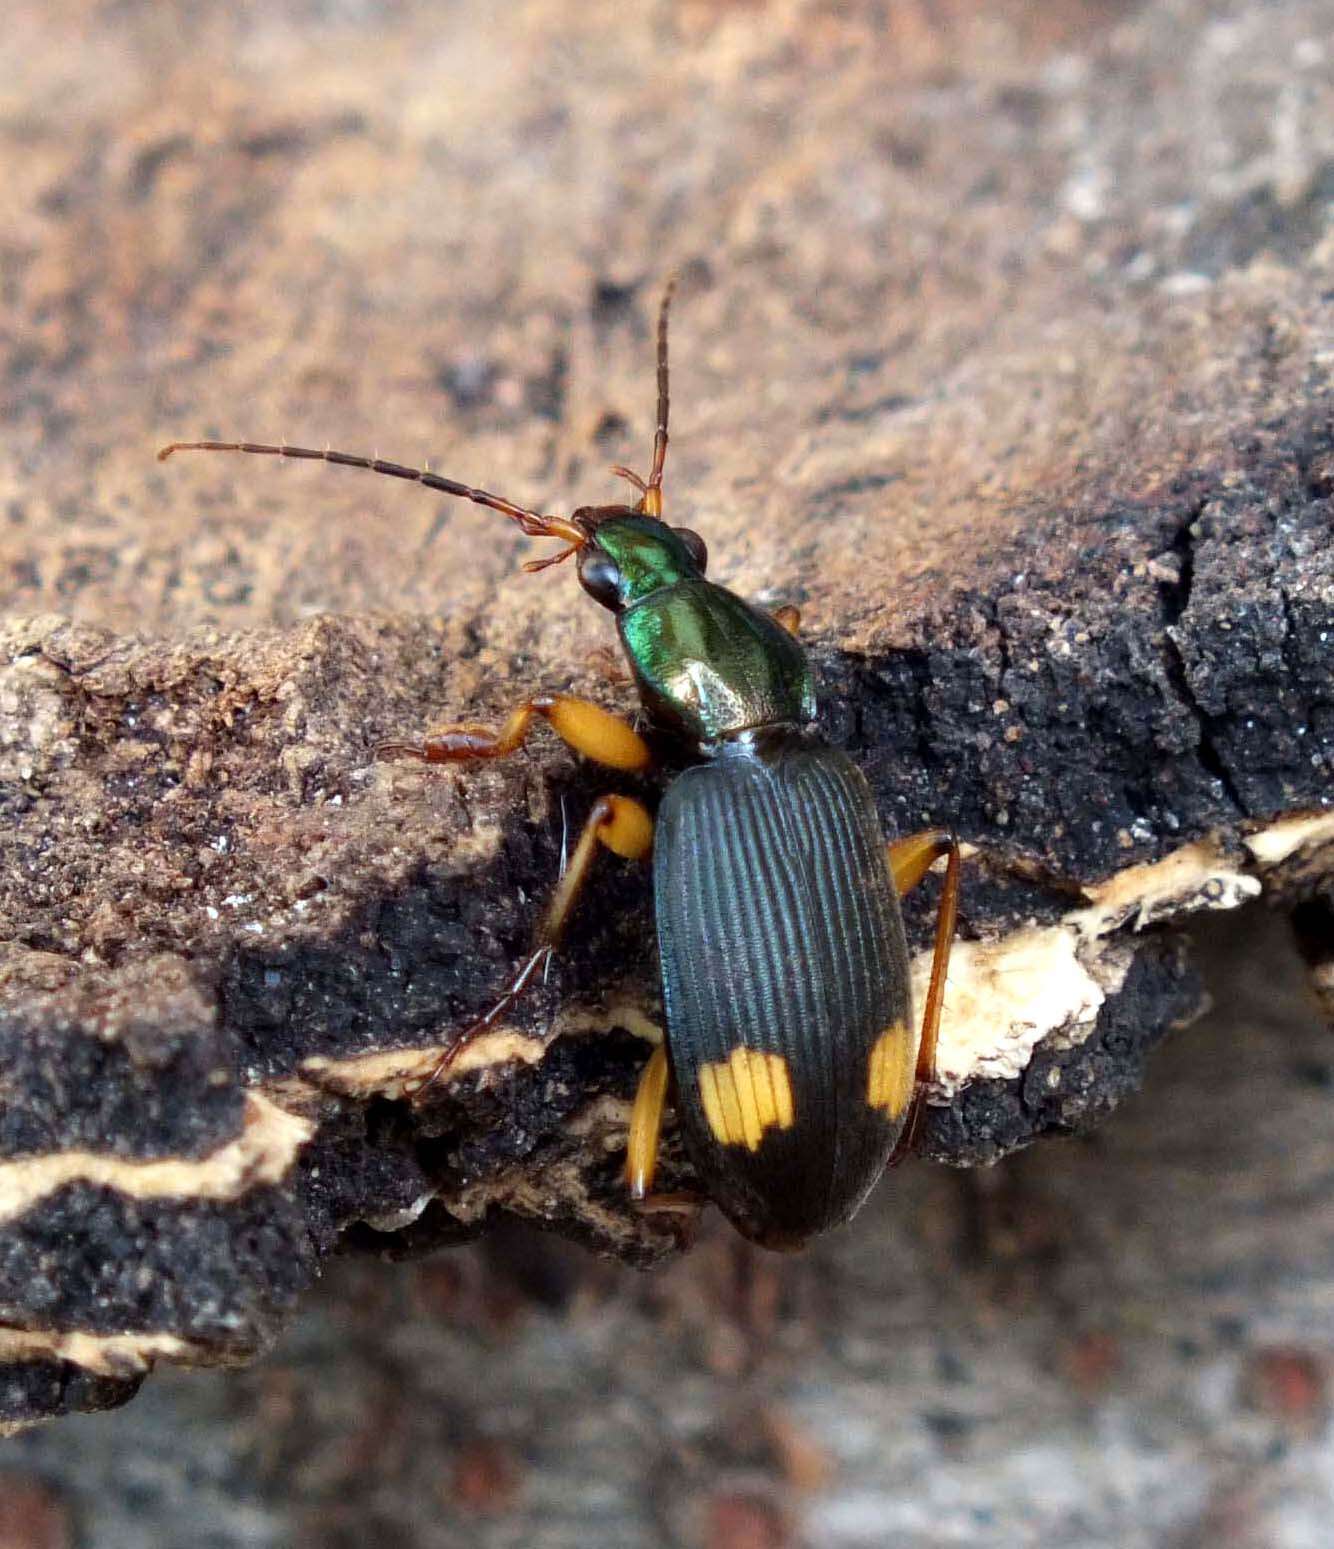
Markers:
(586, 727)
(946, 918)
(641, 1150)
(609, 664)
(641, 1154)
(910, 859)
(623, 826)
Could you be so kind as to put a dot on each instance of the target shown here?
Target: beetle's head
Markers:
(628, 555)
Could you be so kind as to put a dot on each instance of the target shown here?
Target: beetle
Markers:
(791, 1053)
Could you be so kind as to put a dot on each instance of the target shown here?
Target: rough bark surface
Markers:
(1002, 350)
(1118, 1340)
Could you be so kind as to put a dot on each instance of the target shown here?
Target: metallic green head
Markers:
(629, 557)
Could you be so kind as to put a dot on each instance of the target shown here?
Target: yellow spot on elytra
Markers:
(892, 1070)
(745, 1095)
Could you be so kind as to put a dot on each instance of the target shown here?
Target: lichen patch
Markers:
(1273, 845)
(1197, 876)
(105, 1355)
(395, 1072)
(1003, 998)
(261, 1154)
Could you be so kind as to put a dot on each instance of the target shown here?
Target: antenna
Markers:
(650, 491)
(534, 523)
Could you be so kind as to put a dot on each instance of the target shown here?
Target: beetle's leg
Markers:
(606, 661)
(641, 1152)
(620, 823)
(586, 727)
(641, 1149)
(624, 826)
(628, 830)
(912, 857)
(946, 917)
(790, 618)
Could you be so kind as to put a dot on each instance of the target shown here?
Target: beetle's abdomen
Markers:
(785, 979)
(708, 664)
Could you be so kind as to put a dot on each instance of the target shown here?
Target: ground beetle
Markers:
(790, 1052)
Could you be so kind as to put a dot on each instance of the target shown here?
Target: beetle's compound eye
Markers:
(600, 577)
(699, 550)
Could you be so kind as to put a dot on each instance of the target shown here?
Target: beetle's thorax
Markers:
(709, 665)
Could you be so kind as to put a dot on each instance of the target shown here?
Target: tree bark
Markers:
(1049, 476)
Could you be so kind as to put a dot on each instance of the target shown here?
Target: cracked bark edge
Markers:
(1050, 1063)
(342, 921)
(1174, 677)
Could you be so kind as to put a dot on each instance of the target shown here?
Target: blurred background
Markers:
(931, 253)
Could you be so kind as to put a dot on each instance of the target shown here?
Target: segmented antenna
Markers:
(653, 494)
(650, 490)
(535, 523)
